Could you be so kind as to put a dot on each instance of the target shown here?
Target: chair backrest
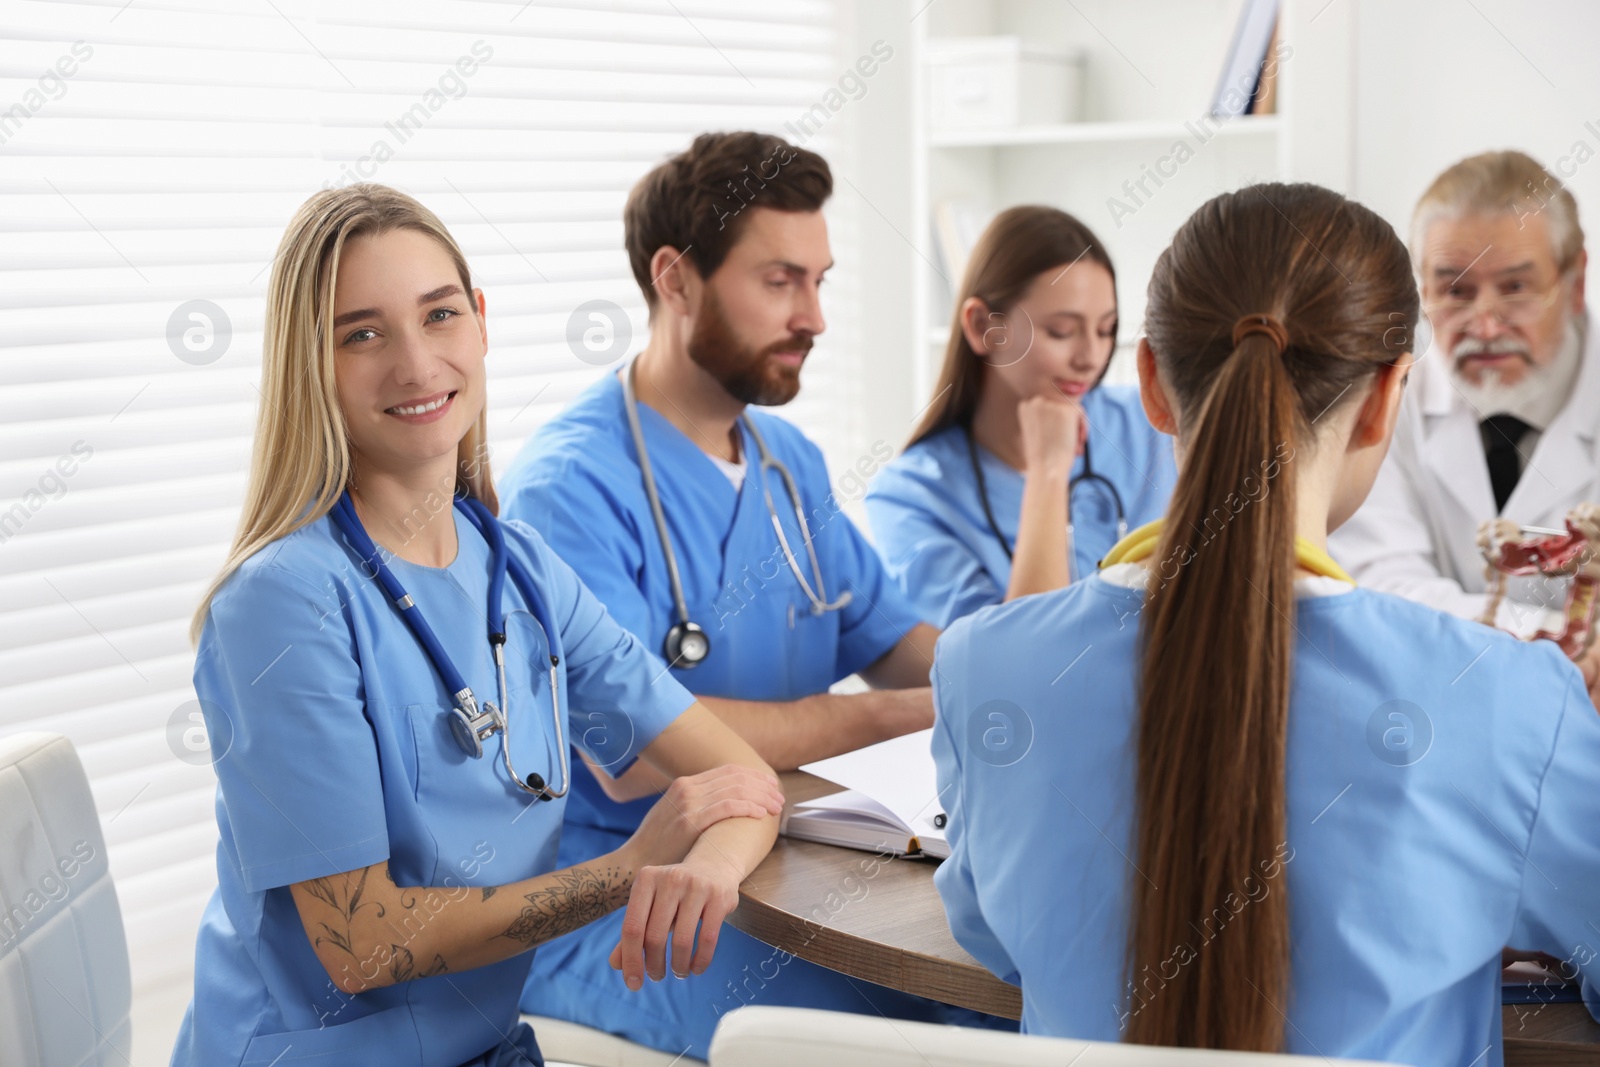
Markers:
(804, 1037)
(65, 991)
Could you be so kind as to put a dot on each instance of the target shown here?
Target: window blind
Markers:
(151, 154)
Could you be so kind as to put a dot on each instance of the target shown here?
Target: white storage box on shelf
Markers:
(999, 81)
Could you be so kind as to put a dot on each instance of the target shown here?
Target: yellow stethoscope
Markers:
(1141, 544)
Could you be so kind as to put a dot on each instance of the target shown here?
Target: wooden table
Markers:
(880, 920)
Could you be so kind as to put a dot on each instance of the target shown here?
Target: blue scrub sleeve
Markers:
(954, 878)
(295, 755)
(1560, 900)
(619, 696)
(878, 614)
(933, 567)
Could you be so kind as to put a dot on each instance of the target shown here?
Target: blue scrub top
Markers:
(335, 753)
(1441, 803)
(578, 483)
(928, 521)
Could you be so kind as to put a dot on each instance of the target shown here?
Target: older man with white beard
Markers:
(1502, 411)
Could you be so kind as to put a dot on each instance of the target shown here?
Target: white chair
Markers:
(567, 1044)
(803, 1037)
(65, 991)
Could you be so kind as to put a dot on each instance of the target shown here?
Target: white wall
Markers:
(1434, 81)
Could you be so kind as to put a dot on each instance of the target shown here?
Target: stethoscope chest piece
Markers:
(687, 645)
(473, 727)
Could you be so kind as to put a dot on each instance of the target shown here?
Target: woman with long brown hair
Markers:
(1025, 469)
(1272, 811)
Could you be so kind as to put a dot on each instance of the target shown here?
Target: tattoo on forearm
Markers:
(402, 965)
(347, 895)
(404, 903)
(346, 901)
(488, 891)
(580, 896)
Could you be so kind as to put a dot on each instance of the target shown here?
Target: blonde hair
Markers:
(301, 459)
(1493, 183)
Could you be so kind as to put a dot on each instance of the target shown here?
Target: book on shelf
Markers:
(1248, 84)
(958, 222)
(1265, 99)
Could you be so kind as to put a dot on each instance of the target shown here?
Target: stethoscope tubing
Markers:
(1086, 475)
(345, 519)
(818, 596)
(815, 590)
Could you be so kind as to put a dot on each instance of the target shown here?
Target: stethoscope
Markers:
(687, 644)
(1086, 475)
(471, 725)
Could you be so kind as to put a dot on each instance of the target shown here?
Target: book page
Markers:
(856, 805)
(899, 774)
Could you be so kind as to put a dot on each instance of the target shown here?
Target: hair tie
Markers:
(1262, 323)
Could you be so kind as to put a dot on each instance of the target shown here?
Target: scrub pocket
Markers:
(461, 800)
(386, 1037)
(532, 721)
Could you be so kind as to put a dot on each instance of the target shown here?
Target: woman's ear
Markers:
(1157, 408)
(975, 323)
(483, 321)
(1381, 408)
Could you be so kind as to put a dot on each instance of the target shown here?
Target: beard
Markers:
(749, 375)
(1541, 390)
(1468, 347)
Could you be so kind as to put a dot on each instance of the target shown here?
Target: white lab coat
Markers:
(1416, 534)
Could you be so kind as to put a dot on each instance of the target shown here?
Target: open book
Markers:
(890, 801)
(1528, 982)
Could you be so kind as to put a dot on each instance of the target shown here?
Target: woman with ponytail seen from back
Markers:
(1272, 811)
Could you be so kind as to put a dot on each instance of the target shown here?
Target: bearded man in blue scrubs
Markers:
(729, 244)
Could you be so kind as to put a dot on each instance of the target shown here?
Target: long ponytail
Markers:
(1218, 630)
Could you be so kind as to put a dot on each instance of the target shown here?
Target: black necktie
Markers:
(1501, 435)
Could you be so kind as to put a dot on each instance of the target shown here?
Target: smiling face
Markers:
(409, 347)
(758, 312)
(1497, 299)
(1057, 339)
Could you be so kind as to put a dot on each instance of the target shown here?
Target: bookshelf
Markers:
(1149, 78)
(1151, 70)
(1096, 133)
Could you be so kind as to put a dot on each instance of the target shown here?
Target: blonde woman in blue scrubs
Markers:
(1024, 470)
(1273, 811)
(380, 883)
